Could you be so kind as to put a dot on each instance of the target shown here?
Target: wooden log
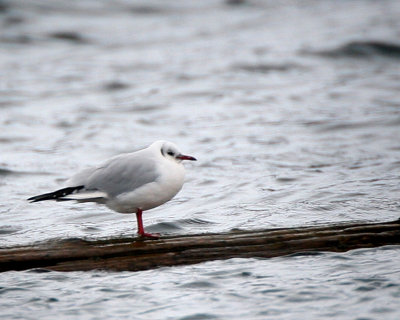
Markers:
(133, 254)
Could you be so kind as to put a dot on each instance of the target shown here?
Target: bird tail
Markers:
(56, 195)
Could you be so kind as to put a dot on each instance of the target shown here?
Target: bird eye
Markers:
(170, 153)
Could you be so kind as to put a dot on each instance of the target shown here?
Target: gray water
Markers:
(291, 107)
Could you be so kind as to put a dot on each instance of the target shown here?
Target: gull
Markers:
(130, 182)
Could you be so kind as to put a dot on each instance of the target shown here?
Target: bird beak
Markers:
(184, 157)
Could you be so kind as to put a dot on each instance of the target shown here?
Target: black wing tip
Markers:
(41, 197)
(56, 195)
(33, 199)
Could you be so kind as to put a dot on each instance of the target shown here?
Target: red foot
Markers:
(149, 235)
(141, 232)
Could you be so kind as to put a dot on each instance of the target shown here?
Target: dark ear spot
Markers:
(162, 152)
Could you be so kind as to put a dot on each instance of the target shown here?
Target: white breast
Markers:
(153, 194)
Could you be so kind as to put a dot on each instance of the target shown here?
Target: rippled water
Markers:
(292, 109)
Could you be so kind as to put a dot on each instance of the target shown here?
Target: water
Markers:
(292, 109)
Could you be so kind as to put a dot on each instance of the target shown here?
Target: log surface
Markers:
(133, 254)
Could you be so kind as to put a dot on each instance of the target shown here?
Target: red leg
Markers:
(141, 229)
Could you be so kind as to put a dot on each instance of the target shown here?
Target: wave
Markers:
(266, 67)
(363, 49)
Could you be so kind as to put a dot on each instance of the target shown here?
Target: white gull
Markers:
(129, 183)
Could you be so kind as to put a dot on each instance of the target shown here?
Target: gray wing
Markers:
(121, 174)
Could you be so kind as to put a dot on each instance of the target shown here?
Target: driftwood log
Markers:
(132, 254)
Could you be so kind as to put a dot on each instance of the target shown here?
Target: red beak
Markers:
(184, 157)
